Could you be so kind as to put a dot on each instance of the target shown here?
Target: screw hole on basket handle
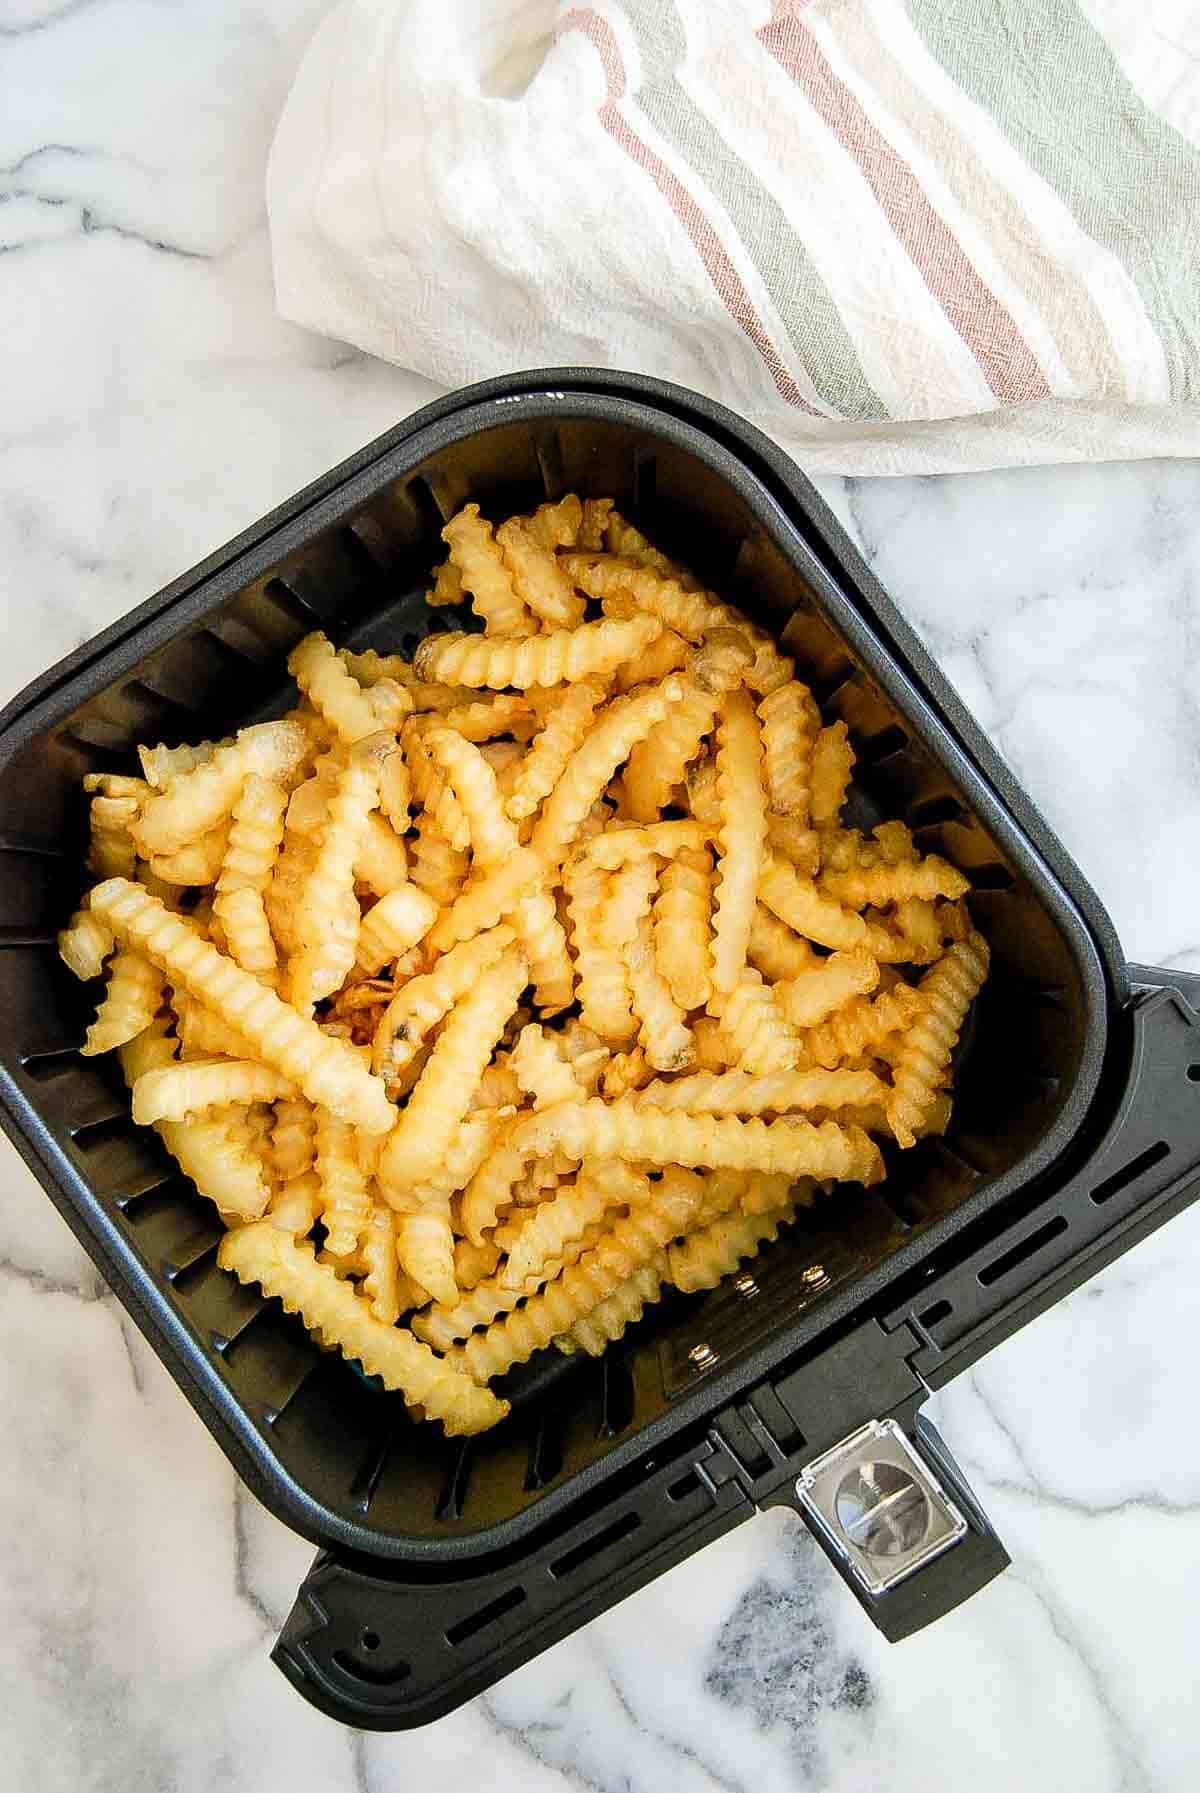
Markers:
(370, 1640)
(1193, 1073)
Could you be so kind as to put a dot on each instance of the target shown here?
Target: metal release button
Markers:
(879, 1505)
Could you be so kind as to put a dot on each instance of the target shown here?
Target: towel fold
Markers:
(900, 237)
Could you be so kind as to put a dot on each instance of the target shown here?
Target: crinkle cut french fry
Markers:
(295, 1205)
(861, 1025)
(775, 950)
(293, 1139)
(656, 1136)
(495, 842)
(682, 912)
(350, 712)
(592, 651)
(790, 723)
(381, 1283)
(439, 1101)
(393, 925)
(666, 654)
(814, 994)
(738, 1092)
(558, 524)
(760, 1038)
(345, 1195)
(199, 861)
(196, 801)
(605, 1000)
(692, 613)
(625, 1072)
(84, 944)
(178, 1090)
(880, 884)
(742, 836)
(382, 862)
(713, 1050)
(326, 1070)
(130, 1003)
(661, 840)
(701, 1261)
(250, 854)
(447, 587)
(203, 1034)
(436, 867)
(660, 762)
(441, 1326)
(832, 765)
(663, 1035)
(287, 1268)
(946, 993)
(633, 1241)
(329, 920)
(611, 1318)
(485, 578)
(798, 902)
(537, 578)
(418, 1007)
(617, 729)
(541, 1073)
(425, 1247)
(549, 751)
(113, 847)
(566, 1217)
(162, 763)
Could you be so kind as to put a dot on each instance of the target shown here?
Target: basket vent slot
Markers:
(616, 1396)
(686, 1484)
(935, 811)
(44, 1067)
(486, 1615)
(423, 499)
(1146, 1160)
(1020, 1254)
(571, 1560)
(933, 1316)
(454, 1491)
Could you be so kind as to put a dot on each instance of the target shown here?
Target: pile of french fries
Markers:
(490, 994)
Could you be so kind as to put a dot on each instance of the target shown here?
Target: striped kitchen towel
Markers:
(899, 235)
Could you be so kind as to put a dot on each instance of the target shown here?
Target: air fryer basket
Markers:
(445, 1564)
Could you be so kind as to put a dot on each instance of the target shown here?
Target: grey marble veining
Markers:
(151, 403)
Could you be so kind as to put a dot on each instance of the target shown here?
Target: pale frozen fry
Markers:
(287, 1268)
(130, 1002)
(537, 578)
(178, 1090)
(591, 651)
(484, 576)
(326, 1070)
(443, 1091)
(742, 838)
(393, 925)
(946, 993)
(832, 765)
(682, 916)
(814, 994)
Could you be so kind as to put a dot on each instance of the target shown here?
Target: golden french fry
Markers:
(832, 765)
(84, 944)
(175, 1091)
(815, 993)
(742, 838)
(194, 802)
(537, 578)
(393, 925)
(349, 712)
(591, 651)
(946, 993)
(484, 577)
(130, 1003)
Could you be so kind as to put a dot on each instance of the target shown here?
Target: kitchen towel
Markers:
(899, 235)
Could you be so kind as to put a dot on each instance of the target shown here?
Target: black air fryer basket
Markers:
(800, 1381)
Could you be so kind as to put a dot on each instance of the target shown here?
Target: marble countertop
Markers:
(152, 404)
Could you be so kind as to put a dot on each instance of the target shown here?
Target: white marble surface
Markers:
(151, 404)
